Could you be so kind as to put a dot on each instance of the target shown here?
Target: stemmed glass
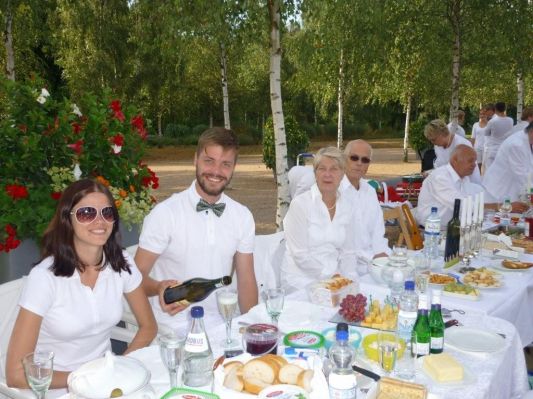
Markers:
(274, 298)
(227, 305)
(170, 346)
(38, 367)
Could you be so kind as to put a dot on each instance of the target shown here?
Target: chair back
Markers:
(269, 251)
(409, 231)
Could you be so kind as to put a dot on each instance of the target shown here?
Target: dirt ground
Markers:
(253, 184)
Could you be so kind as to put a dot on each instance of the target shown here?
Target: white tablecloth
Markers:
(496, 375)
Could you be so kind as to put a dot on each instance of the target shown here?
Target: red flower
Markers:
(76, 128)
(138, 122)
(11, 242)
(118, 139)
(117, 110)
(77, 147)
(56, 195)
(23, 128)
(10, 230)
(152, 180)
(16, 192)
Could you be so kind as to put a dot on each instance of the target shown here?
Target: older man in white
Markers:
(512, 169)
(368, 227)
(495, 133)
(446, 183)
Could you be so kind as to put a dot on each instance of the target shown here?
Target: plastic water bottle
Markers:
(197, 353)
(396, 285)
(408, 311)
(505, 213)
(432, 234)
(342, 382)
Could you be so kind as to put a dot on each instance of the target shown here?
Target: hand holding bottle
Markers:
(171, 308)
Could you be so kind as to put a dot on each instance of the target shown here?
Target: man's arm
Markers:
(246, 283)
(145, 261)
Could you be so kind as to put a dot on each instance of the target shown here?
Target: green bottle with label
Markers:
(421, 335)
(436, 324)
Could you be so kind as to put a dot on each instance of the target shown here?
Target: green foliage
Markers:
(297, 142)
(417, 140)
(190, 139)
(176, 130)
(198, 130)
(48, 142)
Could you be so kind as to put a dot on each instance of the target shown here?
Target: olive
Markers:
(116, 393)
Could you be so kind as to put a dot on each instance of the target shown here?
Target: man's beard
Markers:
(208, 191)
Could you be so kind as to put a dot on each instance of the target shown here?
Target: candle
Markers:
(463, 212)
(469, 210)
(481, 206)
(475, 210)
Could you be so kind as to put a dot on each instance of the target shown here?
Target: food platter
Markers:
(483, 278)
(514, 265)
(461, 291)
(440, 279)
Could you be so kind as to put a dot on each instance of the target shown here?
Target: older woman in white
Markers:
(316, 224)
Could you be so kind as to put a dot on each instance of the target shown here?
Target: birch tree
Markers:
(283, 200)
(8, 42)
(454, 15)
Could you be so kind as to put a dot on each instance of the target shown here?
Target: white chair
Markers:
(269, 251)
(9, 297)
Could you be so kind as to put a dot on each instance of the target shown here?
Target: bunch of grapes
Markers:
(353, 308)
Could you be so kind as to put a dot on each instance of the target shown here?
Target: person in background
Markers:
(316, 225)
(478, 135)
(446, 183)
(495, 133)
(367, 228)
(445, 142)
(301, 178)
(73, 297)
(199, 232)
(512, 170)
(526, 119)
(459, 126)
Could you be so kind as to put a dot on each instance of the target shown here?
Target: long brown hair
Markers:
(58, 239)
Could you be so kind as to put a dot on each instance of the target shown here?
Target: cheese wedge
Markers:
(443, 368)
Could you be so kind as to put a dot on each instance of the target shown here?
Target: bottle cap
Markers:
(434, 209)
(342, 335)
(409, 285)
(342, 327)
(197, 312)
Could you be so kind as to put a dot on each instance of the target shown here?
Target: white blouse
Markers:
(315, 243)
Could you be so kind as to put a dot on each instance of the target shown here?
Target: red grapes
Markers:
(353, 308)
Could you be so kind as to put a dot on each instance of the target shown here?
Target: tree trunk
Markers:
(455, 20)
(210, 118)
(520, 96)
(277, 113)
(224, 79)
(406, 130)
(8, 42)
(159, 124)
(340, 101)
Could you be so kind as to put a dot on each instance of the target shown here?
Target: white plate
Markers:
(473, 339)
(296, 315)
(498, 266)
(479, 287)
(468, 376)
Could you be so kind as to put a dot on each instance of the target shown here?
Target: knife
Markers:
(367, 373)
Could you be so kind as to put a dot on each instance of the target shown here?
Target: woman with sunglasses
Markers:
(316, 223)
(73, 297)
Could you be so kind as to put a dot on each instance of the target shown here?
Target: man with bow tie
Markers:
(200, 232)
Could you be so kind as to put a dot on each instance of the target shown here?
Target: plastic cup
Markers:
(260, 339)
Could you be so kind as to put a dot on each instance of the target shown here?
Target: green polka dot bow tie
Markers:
(217, 209)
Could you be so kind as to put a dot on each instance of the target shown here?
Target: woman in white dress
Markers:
(478, 135)
(316, 224)
(73, 297)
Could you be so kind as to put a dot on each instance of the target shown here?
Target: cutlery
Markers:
(367, 373)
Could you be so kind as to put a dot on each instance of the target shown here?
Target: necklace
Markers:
(333, 207)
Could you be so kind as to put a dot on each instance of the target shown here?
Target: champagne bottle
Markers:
(453, 233)
(421, 335)
(194, 290)
(436, 324)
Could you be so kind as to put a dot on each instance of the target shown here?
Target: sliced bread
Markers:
(288, 374)
(304, 379)
(261, 369)
(254, 385)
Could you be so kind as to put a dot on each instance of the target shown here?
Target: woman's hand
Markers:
(171, 308)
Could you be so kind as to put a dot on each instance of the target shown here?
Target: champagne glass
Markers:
(170, 346)
(227, 305)
(388, 346)
(274, 298)
(38, 367)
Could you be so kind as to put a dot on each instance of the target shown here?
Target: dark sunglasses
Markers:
(356, 158)
(87, 214)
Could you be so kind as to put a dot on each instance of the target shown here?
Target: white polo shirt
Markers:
(77, 320)
(195, 244)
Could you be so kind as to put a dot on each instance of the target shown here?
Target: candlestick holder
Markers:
(476, 239)
(464, 247)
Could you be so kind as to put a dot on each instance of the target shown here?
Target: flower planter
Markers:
(19, 261)
(130, 236)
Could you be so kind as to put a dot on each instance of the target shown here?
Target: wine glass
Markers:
(38, 367)
(274, 298)
(227, 305)
(170, 346)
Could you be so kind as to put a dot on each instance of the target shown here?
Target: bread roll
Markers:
(288, 374)
(230, 366)
(304, 379)
(261, 369)
(254, 385)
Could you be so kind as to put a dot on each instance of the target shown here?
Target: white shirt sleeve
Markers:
(156, 230)
(246, 244)
(39, 291)
(133, 280)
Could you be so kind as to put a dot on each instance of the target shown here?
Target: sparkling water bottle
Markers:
(432, 234)
(408, 311)
(342, 382)
(197, 353)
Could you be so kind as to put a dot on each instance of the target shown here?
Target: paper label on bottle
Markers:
(406, 321)
(196, 342)
(432, 228)
(422, 348)
(342, 386)
(437, 343)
